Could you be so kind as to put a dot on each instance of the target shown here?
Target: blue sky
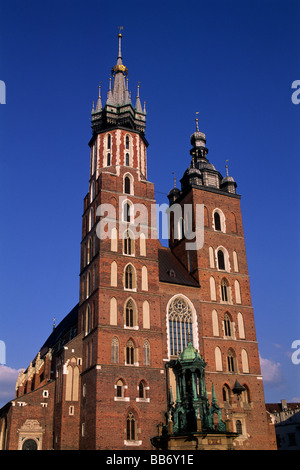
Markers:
(233, 62)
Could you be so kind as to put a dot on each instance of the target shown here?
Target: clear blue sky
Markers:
(232, 61)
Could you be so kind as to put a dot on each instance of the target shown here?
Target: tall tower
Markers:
(122, 343)
(227, 338)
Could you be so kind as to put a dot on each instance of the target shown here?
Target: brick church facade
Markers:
(100, 380)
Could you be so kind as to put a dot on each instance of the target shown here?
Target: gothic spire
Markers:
(138, 106)
(119, 71)
(99, 104)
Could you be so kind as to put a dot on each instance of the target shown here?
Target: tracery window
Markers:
(225, 290)
(180, 325)
(130, 427)
(130, 352)
(129, 277)
(129, 314)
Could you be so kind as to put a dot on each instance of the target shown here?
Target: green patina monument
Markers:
(192, 422)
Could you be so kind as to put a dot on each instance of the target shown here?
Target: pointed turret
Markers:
(138, 106)
(99, 104)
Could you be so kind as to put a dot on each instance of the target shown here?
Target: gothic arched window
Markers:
(142, 389)
(129, 314)
(231, 361)
(120, 389)
(108, 141)
(227, 325)
(130, 427)
(225, 290)
(126, 212)
(217, 220)
(130, 279)
(128, 244)
(180, 325)
(130, 352)
(221, 260)
(127, 185)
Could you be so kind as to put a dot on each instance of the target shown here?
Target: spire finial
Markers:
(226, 166)
(54, 320)
(197, 126)
(120, 40)
(173, 173)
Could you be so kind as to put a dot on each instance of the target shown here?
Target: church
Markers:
(161, 351)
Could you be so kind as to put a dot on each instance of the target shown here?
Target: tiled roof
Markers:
(277, 407)
(172, 271)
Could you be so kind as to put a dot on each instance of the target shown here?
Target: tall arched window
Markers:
(217, 220)
(126, 212)
(142, 389)
(231, 361)
(130, 352)
(224, 290)
(108, 141)
(120, 389)
(129, 314)
(128, 244)
(180, 325)
(226, 393)
(221, 260)
(108, 159)
(130, 427)
(227, 325)
(127, 186)
(129, 277)
(127, 142)
(127, 161)
(115, 351)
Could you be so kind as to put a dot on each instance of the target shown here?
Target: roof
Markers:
(277, 407)
(67, 323)
(171, 270)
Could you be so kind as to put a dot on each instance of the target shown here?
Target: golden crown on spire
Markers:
(119, 68)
